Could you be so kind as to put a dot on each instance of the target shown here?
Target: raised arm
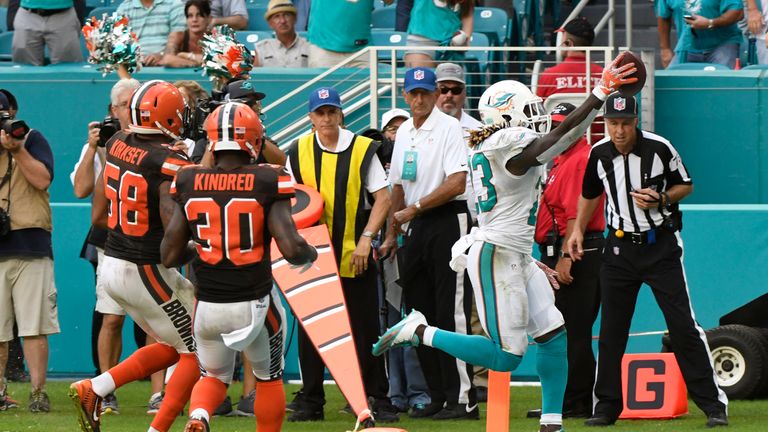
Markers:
(543, 149)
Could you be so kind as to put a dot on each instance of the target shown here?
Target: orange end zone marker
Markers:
(498, 401)
(317, 301)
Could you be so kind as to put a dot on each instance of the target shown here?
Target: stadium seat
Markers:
(493, 23)
(756, 67)
(100, 11)
(3, 19)
(477, 64)
(385, 38)
(249, 38)
(698, 66)
(383, 18)
(256, 21)
(257, 3)
(302, 34)
(6, 39)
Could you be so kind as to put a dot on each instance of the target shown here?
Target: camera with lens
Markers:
(194, 119)
(15, 128)
(107, 128)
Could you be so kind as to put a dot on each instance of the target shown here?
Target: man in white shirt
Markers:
(428, 173)
(230, 12)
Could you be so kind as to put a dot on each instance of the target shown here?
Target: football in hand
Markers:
(634, 88)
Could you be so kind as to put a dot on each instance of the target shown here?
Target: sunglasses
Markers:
(454, 90)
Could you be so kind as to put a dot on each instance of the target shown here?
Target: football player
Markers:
(132, 200)
(231, 212)
(514, 297)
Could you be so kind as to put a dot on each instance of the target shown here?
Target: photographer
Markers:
(27, 291)
(108, 316)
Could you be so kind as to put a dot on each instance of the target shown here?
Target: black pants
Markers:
(625, 267)
(579, 303)
(361, 297)
(445, 298)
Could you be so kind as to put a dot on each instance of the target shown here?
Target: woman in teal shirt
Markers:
(435, 23)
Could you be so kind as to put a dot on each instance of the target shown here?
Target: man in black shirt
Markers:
(644, 179)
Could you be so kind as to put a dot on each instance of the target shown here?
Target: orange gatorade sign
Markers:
(652, 386)
(315, 297)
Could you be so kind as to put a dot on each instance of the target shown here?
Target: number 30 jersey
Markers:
(227, 214)
(506, 204)
(134, 169)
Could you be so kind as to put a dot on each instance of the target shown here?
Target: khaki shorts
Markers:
(27, 297)
(158, 299)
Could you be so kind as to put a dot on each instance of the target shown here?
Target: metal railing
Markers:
(367, 92)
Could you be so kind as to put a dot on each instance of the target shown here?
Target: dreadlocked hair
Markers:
(476, 137)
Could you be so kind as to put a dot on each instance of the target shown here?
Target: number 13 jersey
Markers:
(227, 213)
(134, 169)
(506, 204)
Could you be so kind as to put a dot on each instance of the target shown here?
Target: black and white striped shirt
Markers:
(652, 163)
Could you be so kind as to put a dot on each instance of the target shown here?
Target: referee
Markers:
(644, 179)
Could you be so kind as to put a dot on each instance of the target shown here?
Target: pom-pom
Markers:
(223, 56)
(111, 43)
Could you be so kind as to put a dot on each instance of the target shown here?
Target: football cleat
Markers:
(401, 334)
(88, 405)
(551, 428)
(197, 425)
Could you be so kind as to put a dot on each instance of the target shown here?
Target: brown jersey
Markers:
(227, 214)
(134, 169)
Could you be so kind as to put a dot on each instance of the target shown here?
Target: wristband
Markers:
(711, 24)
(417, 204)
(599, 94)
(368, 234)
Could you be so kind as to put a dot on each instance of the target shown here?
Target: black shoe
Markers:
(306, 414)
(297, 403)
(482, 393)
(224, 408)
(534, 413)
(717, 419)
(457, 412)
(385, 412)
(600, 421)
(427, 410)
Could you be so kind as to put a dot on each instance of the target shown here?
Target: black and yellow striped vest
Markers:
(339, 177)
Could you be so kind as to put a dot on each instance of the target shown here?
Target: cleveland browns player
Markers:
(231, 212)
(132, 200)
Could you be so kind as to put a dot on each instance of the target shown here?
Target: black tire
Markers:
(739, 356)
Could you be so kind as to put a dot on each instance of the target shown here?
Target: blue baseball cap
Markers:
(324, 96)
(420, 78)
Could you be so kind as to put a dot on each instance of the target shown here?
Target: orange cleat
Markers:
(88, 405)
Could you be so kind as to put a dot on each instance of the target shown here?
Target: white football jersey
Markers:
(507, 205)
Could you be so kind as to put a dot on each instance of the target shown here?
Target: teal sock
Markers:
(475, 350)
(552, 366)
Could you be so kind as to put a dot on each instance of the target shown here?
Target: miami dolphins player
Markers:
(514, 298)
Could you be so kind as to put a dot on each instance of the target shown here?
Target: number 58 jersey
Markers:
(506, 204)
(134, 169)
(227, 211)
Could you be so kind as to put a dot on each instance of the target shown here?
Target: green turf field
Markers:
(745, 415)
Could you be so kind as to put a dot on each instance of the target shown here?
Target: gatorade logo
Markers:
(645, 384)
